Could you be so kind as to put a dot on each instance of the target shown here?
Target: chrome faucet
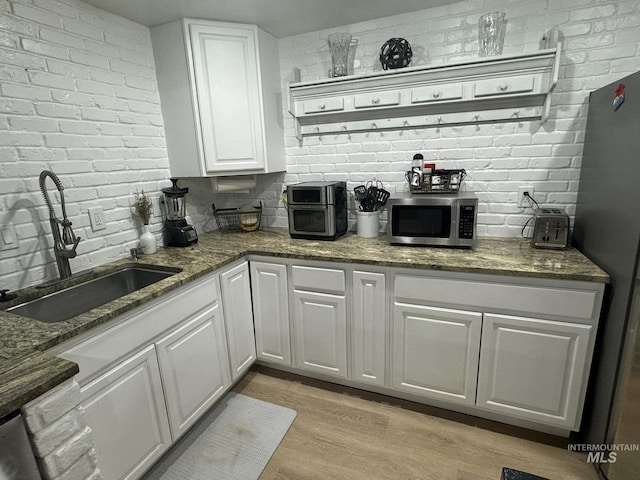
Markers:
(60, 241)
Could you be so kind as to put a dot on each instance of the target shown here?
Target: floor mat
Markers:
(234, 441)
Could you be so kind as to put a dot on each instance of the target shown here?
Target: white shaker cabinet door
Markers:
(238, 318)
(195, 368)
(126, 411)
(227, 81)
(271, 312)
(435, 352)
(533, 369)
(369, 325)
(320, 325)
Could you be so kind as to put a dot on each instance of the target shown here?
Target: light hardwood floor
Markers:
(348, 434)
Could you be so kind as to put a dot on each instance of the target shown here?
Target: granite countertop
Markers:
(27, 371)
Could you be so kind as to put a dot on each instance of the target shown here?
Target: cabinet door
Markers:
(126, 411)
(435, 352)
(271, 312)
(238, 318)
(369, 326)
(225, 65)
(320, 326)
(194, 367)
(533, 369)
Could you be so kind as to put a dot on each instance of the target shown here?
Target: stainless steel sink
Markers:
(73, 301)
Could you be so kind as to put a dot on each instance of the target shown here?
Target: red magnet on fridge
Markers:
(619, 98)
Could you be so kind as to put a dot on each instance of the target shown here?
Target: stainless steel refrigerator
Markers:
(607, 230)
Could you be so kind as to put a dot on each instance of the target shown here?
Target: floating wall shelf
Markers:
(494, 89)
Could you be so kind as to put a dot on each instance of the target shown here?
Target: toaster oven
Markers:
(317, 210)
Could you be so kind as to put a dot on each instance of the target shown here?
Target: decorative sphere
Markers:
(395, 53)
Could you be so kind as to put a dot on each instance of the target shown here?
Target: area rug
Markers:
(234, 441)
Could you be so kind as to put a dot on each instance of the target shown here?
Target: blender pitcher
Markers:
(177, 232)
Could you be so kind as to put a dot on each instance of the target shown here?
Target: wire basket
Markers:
(243, 219)
(441, 181)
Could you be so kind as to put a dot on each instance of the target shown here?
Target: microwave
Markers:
(439, 220)
(317, 210)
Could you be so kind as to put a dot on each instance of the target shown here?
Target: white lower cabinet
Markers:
(319, 318)
(533, 368)
(271, 312)
(195, 369)
(147, 377)
(320, 325)
(126, 412)
(435, 352)
(368, 339)
(238, 318)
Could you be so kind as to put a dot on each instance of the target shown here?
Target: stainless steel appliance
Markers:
(445, 219)
(550, 228)
(177, 232)
(16, 457)
(607, 230)
(317, 210)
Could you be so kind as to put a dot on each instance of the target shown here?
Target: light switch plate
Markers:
(8, 237)
(96, 216)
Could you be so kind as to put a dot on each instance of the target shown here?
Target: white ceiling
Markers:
(281, 18)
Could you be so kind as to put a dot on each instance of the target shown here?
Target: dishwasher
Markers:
(16, 457)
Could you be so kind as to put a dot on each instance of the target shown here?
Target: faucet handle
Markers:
(68, 236)
(5, 296)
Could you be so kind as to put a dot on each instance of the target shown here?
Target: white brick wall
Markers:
(600, 41)
(78, 96)
(62, 441)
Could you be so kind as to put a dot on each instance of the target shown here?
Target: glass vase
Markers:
(339, 49)
(491, 29)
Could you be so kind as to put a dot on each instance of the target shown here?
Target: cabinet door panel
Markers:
(126, 411)
(369, 326)
(229, 99)
(238, 318)
(435, 352)
(195, 369)
(533, 368)
(271, 312)
(320, 322)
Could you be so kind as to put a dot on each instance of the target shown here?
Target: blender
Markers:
(177, 232)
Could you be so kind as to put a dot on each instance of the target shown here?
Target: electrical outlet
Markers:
(96, 216)
(522, 200)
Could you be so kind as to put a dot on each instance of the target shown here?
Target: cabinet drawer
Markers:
(497, 86)
(323, 105)
(380, 99)
(535, 300)
(437, 93)
(317, 279)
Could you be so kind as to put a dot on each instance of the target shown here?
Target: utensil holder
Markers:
(368, 224)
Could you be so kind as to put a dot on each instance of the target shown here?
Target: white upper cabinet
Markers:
(219, 87)
(503, 88)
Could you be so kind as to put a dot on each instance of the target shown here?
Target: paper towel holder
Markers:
(233, 183)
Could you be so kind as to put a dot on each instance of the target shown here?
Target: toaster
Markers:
(550, 228)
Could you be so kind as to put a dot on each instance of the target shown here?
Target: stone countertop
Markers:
(27, 371)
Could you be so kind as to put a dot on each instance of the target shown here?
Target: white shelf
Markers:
(505, 88)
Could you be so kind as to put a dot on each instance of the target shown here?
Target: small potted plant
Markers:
(142, 207)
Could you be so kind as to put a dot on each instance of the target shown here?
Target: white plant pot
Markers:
(368, 224)
(148, 241)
